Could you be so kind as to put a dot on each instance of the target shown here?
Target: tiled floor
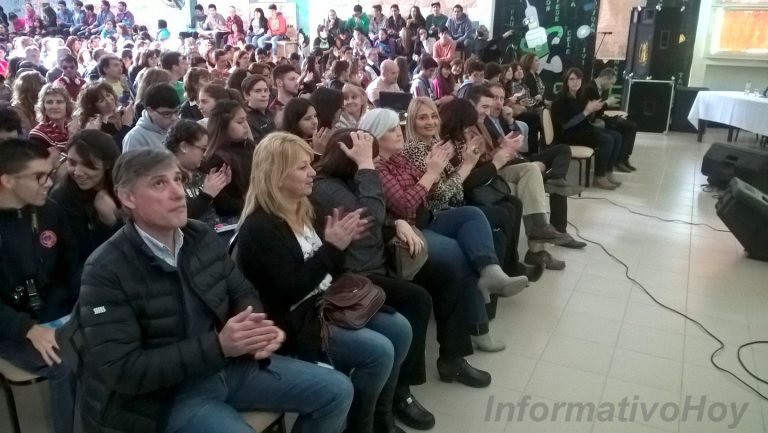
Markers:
(588, 335)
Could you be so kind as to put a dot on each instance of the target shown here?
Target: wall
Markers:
(718, 73)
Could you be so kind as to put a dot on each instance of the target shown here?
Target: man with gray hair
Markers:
(175, 338)
(387, 82)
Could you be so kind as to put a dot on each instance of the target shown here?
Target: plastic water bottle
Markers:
(748, 88)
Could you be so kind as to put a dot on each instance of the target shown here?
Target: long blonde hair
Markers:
(413, 109)
(274, 157)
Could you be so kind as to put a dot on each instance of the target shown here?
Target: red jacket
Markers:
(277, 26)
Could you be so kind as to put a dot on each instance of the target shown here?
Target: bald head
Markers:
(389, 71)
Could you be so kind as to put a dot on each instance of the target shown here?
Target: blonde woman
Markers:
(54, 110)
(292, 265)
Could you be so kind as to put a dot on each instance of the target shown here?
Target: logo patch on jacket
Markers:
(48, 239)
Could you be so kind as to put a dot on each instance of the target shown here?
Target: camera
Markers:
(25, 298)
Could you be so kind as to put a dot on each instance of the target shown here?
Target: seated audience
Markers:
(256, 93)
(110, 70)
(436, 20)
(276, 31)
(461, 30)
(354, 106)
(286, 81)
(530, 64)
(257, 27)
(300, 119)
(54, 111)
(26, 89)
(86, 195)
(422, 82)
(598, 89)
(148, 78)
(70, 79)
(98, 109)
(358, 20)
(475, 73)
(161, 112)
(36, 242)
(445, 47)
(570, 112)
(229, 148)
(422, 132)
(175, 63)
(188, 141)
(387, 82)
(330, 103)
(281, 252)
(443, 82)
(195, 79)
(194, 350)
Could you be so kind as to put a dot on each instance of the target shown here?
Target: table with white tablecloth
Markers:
(735, 109)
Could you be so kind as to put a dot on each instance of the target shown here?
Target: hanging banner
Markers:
(560, 32)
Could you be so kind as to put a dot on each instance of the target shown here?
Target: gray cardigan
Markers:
(365, 255)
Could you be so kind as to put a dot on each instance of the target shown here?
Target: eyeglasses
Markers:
(168, 114)
(203, 148)
(41, 177)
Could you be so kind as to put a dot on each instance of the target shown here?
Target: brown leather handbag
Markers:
(350, 302)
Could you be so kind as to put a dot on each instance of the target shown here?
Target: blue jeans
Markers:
(448, 253)
(609, 145)
(462, 237)
(262, 41)
(373, 356)
(469, 226)
(61, 380)
(319, 395)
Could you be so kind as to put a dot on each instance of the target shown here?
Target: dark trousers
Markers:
(415, 304)
(556, 159)
(448, 289)
(558, 207)
(220, 39)
(606, 142)
(505, 218)
(628, 131)
(533, 120)
(62, 381)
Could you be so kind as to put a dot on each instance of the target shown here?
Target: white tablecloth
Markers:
(749, 113)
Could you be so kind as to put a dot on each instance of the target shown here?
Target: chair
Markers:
(10, 375)
(265, 422)
(581, 154)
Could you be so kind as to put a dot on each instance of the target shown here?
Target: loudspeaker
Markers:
(653, 48)
(684, 97)
(725, 161)
(648, 103)
(744, 210)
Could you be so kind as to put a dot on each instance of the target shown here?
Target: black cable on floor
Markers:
(683, 315)
(651, 216)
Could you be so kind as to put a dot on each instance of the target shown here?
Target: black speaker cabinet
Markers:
(653, 48)
(725, 161)
(684, 97)
(744, 210)
(649, 103)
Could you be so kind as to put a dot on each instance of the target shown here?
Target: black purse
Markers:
(492, 192)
